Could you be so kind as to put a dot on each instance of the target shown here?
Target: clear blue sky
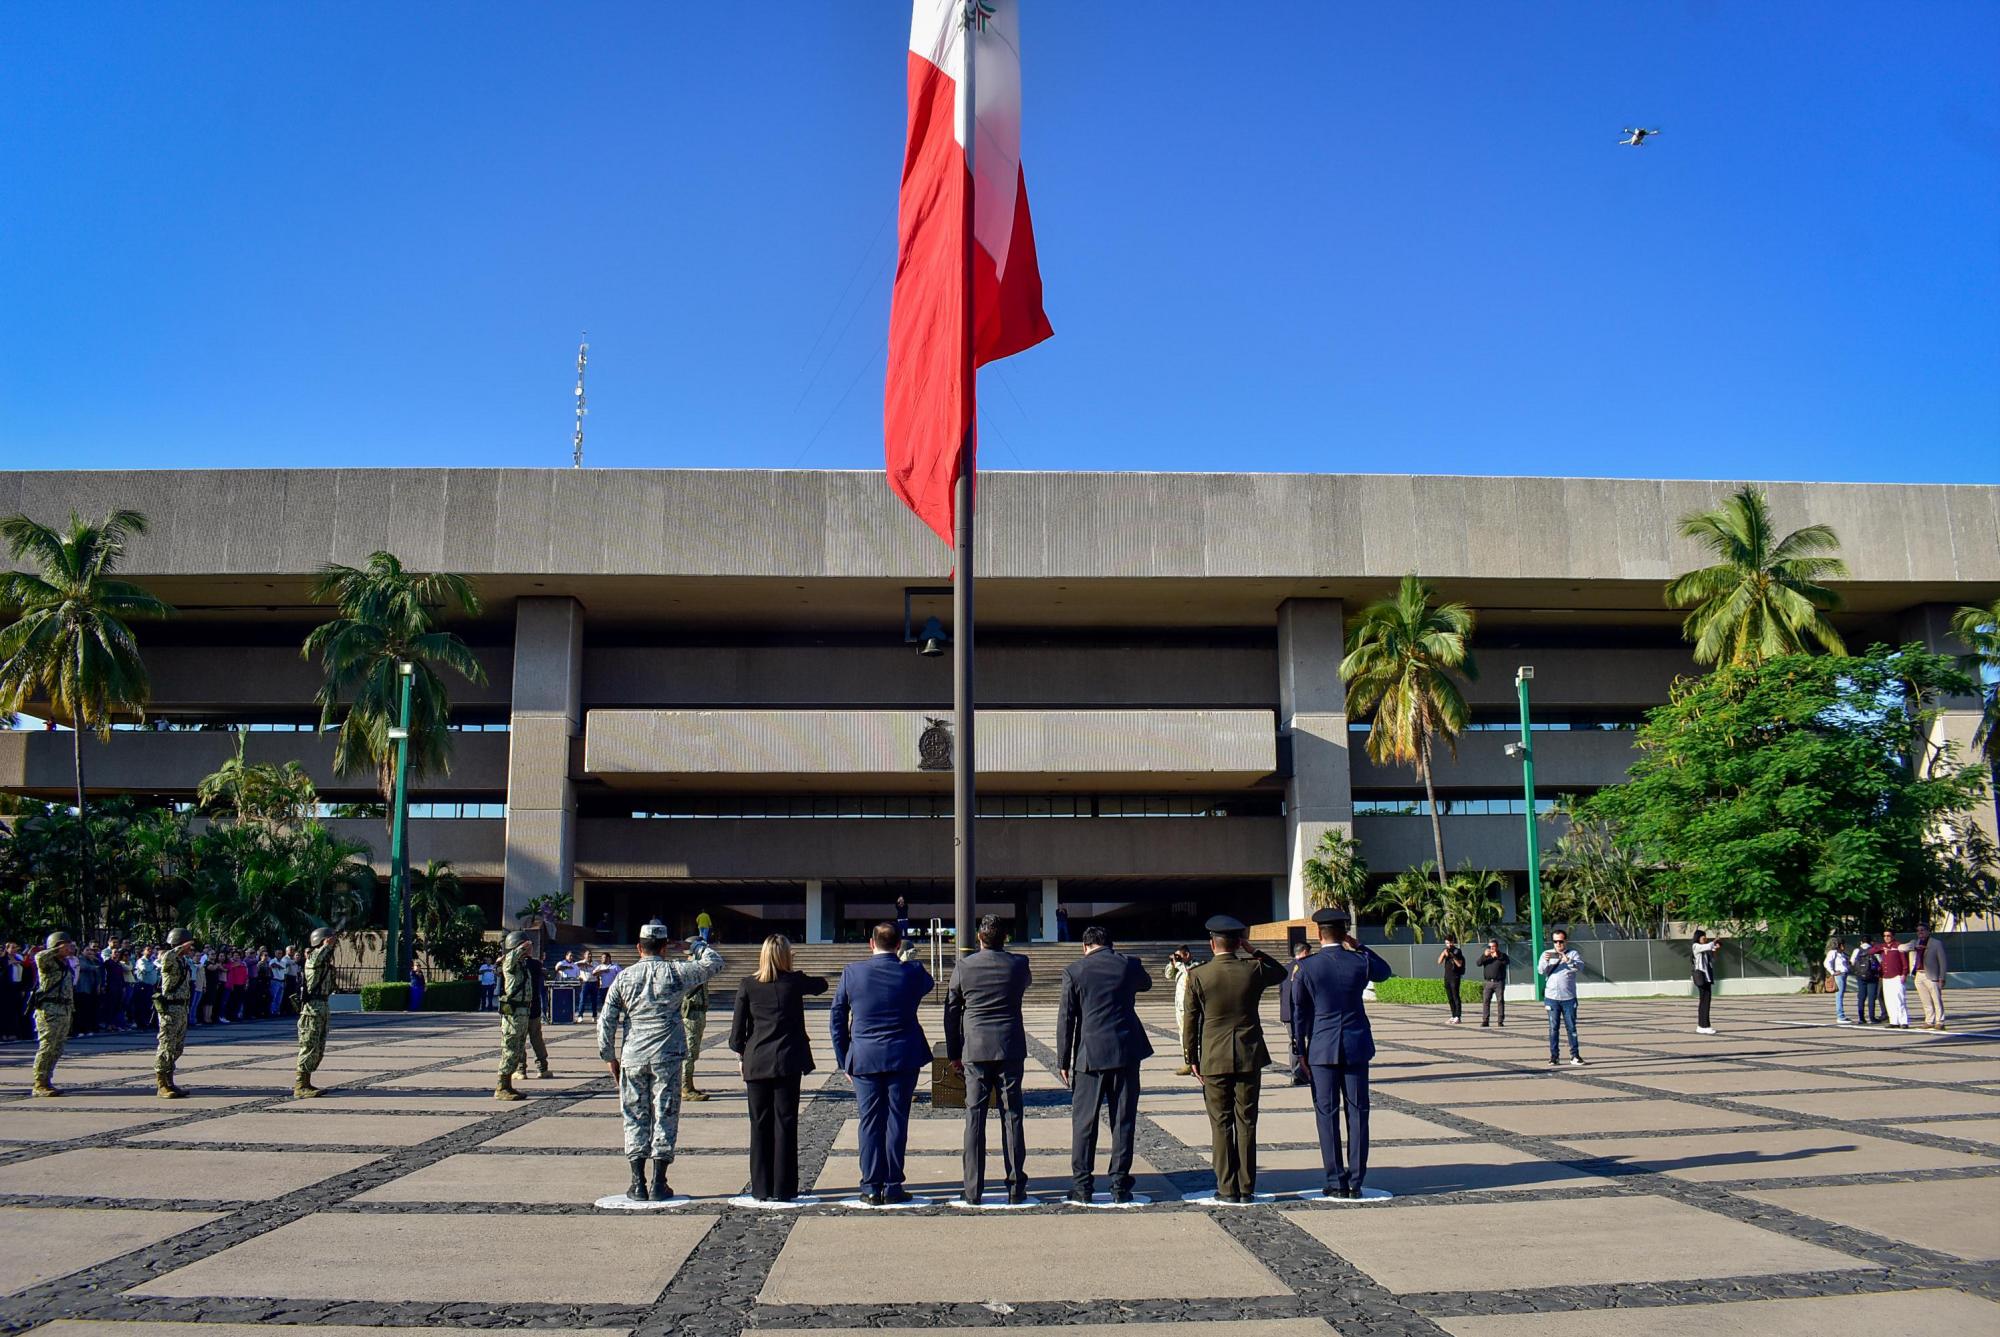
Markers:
(1300, 236)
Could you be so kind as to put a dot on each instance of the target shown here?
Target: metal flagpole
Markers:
(964, 872)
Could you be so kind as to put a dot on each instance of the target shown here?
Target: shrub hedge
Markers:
(452, 996)
(385, 997)
(1400, 990)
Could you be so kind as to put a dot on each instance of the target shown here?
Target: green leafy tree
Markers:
(71, 641)
(258, 792)
(258, 885)
(388, 616)
(1764, 595)
(1413, 898)
(1979, 627)
(448, 931)
(1404, 656)
(1592, 876)
(1788, 800)
(1471, 902)
(1335, 874)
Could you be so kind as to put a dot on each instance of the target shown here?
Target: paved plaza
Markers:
(1787, 1176)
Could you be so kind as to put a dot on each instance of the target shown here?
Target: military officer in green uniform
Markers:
(516, 1000)
(314, 993)
(170, 1005)
(1225, 1047)
(54, 1001)
(694, 1020)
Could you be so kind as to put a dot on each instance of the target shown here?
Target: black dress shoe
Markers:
(871, 1199)
(1353, 1194)
(1121, 1195)
(1016, 1196)
(1080, 1196)
(970, 1199)
(1335, 1191)
(895, 1195)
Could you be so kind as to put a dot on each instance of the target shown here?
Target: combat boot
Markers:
(505, 1090)
(636, 1190)
(303, 1089)
(168, 1091)
(689, 1093)
(44, 1089)
(660, 1191)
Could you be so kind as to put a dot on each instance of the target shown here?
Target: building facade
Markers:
(699, 695)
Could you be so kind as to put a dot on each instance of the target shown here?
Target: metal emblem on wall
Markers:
(934, 745)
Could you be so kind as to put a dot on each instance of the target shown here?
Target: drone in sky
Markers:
(1634, 138)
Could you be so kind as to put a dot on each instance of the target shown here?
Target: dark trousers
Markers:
(1333, 1086)
(982, 1082)
(1492, 990)
(1232, 1120)
(882, 1106)
(1453, 989)
(1701, 992)
(1117, 1088)
(1870, 1003)
(774, 1137)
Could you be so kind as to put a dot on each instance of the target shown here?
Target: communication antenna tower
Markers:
(582, 358)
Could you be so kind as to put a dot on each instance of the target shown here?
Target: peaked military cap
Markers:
(1330, 916)
(1226, 926)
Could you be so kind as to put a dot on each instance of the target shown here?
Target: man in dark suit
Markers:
(1300, 951)
(1100, 1045)
(1225, 1047)
(1330, 1022)
(984, 1040)
(879, 1043)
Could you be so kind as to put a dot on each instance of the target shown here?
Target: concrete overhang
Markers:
(883, 750)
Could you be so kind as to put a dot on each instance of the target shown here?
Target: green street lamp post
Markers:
(1525, 750)
(401, 949)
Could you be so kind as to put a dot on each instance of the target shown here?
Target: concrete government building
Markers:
(699, 693)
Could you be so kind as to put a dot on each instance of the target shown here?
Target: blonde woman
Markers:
(769, 1033)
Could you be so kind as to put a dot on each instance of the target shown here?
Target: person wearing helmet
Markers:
(647, 996)
(170, 1005)
(314, 1007)
(517, 997)
(54, 1002)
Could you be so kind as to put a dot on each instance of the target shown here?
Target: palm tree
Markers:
(278, 796)
(1764, 596)
(1979, 627)
(1336, 874)
(387, 617)
(1471, 901)
(70, 642)
(1402, 653)
(1413, 897)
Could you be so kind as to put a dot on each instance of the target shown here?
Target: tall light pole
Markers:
(401, 950)
(1525, 750)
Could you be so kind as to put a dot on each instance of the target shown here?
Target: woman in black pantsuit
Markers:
(769, 1032)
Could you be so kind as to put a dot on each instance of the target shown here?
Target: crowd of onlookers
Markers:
(115, 981)
(592, 974)
(1881, 974)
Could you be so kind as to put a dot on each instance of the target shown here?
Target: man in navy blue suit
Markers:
(879, 1043)
(1330, 1024)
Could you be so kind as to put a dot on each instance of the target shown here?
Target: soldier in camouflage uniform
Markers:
(314, 994)
(170, 1004)
(694, 1020)
(54, 1001)
(648, 996)
(516, 1000)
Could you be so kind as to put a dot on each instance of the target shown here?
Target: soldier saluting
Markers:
(516, 1001)
(54, 1001)
(170, 1005)
(647, 996)
(314, 1006)
(1225, 1048)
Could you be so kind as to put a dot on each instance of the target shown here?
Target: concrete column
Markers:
(1312, 714)
(1929, 625)
(547, 714)
(816, 911)
(1050, 890)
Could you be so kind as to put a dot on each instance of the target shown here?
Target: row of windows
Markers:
(1578, 724)
(169, 724)
(939, 805)
(1459, 807)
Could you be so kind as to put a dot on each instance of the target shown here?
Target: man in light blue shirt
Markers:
(1560, 967)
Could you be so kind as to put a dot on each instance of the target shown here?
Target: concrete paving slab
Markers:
(1605, 1241)
(1954, 1216)
(39, 1123)
(1409, 1171)
(478, 1080)
(135, 1101)
(1300, 1126)
(389, 1102)
(1893, 1311)
(1872, 1105)
(1779, 1154)
(305, 1130)
(1743, 1081)
(522, 1179)
(1610, 1116)
(1482, 1087)
(40, 1243)
(1265, 1327)
(175, 1173)
(1935, 1069)
(1974, 1130)
(1122, 1256)
(77, 1327)
(421, 1257)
